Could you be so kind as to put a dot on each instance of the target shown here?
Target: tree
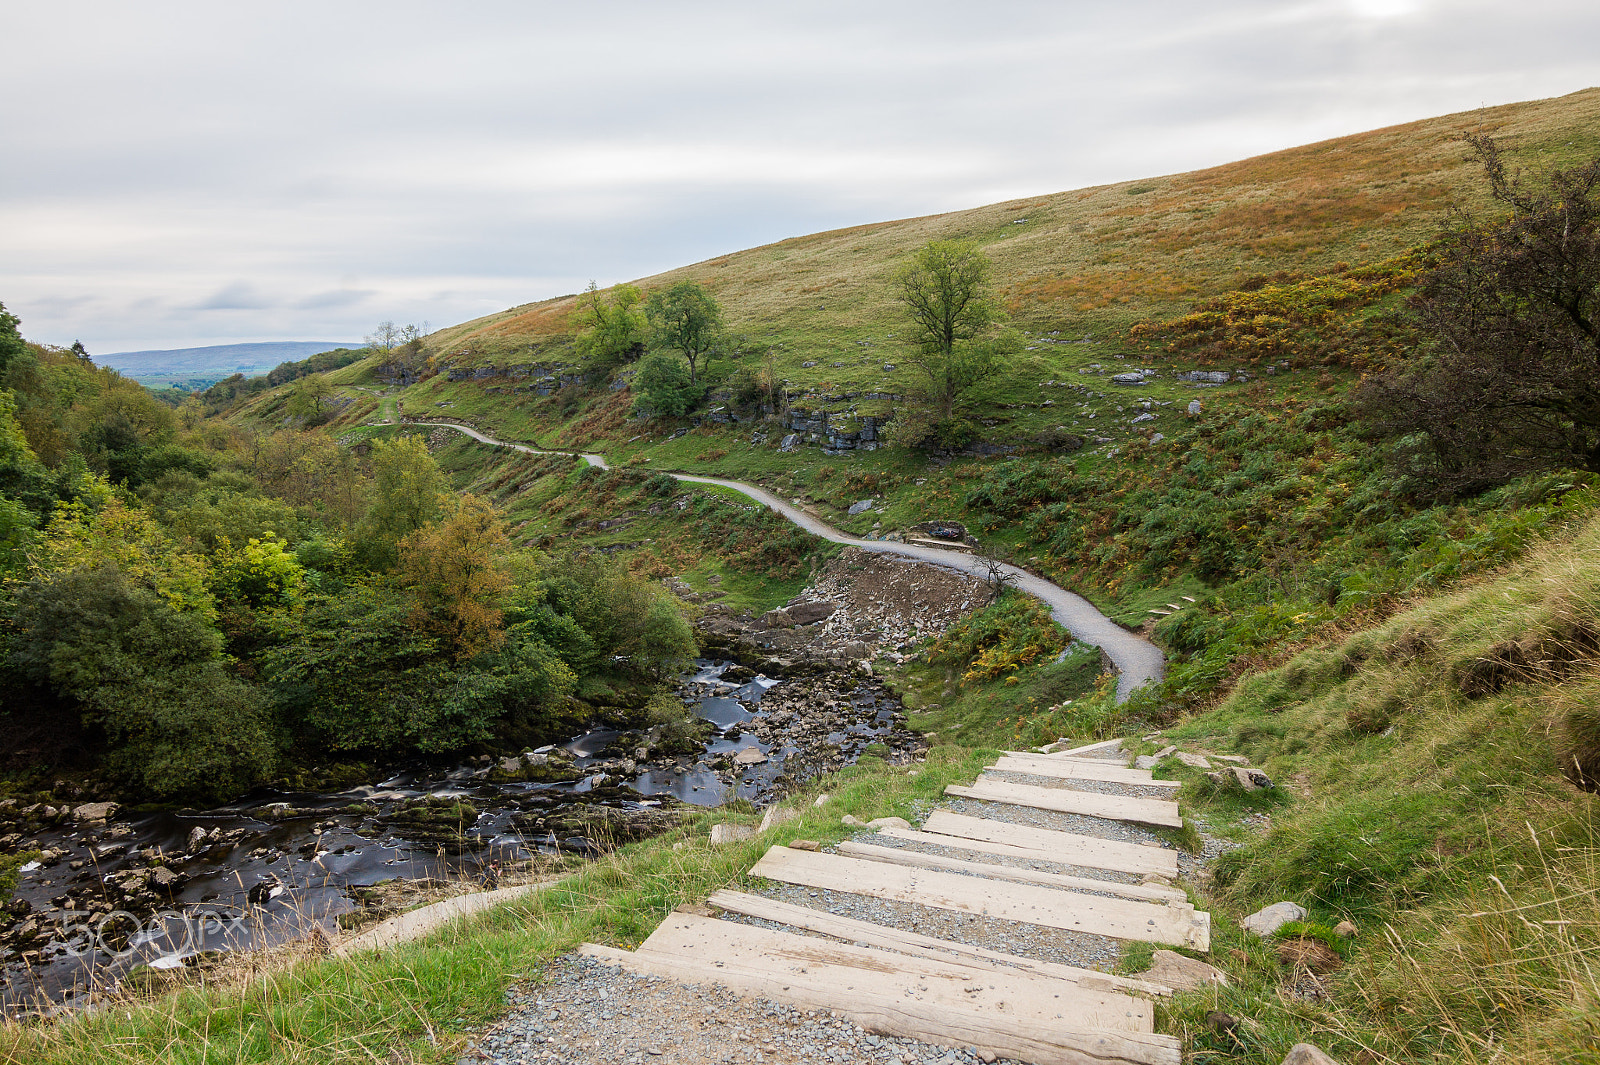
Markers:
(306, 399)
(384, 337)
(408, 490)
(1509, 380)
(152, 677)
(686, 319)
(664, 387)
(613, 331)
(11, 343)
(945, 291)
(453, 567)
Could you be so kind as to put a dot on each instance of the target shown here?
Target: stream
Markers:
(152, 891)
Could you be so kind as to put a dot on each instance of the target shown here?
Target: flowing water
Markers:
(274, 865)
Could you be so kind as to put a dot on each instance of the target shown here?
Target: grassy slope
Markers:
(1432, 813)
(1090, 262)
(1098, 259)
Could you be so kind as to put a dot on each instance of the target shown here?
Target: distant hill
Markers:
(218, 360)
(1097, 260)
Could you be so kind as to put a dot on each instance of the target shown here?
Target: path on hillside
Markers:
(1137, 659)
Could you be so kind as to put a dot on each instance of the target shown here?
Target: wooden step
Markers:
(914, 943)
(1076, 769)
(918, 860)
(953, 1004)
(1032, 999)
(949, 545)
(911, 1018)
(1066, 800)
(1051, 907)
(1023, 841)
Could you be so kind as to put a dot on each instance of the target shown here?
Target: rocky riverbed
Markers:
(790, 695)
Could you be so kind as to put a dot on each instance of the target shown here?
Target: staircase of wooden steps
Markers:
(901, 983)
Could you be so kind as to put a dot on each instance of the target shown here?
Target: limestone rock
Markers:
(1171, 969)
(1251, 779)
(1193, 761)
(1267, 920)
(888, 822)
(1306, 1054)
(749, 756)
(861, 507)
(822, 800)
(810, 612)
(1194, 406)
(852, 821)
(731, 833)
(91, 812)
(1345, 929)
(804, 845)
(777, 815)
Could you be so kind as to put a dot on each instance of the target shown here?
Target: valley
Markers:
(1223, 475)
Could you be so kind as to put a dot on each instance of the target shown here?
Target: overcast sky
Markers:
(178, 174)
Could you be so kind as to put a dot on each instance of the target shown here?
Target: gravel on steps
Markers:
(588, 1013)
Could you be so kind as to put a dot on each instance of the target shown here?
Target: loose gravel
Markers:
(588, 1013)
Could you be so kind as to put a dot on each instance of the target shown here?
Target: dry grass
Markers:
(1097, 260)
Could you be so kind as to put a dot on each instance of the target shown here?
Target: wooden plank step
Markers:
(1051, 907)
(1049, 845)
(1077, 769)
(1066, 800)
(916, 859)
(949, 545)
(1087, 858)
(1098, 745)
(1027, 999)
(915, 943)
(909, 1015)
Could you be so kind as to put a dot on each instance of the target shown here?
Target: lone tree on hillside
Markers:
(946, 293)
(1509, 382)
(686, 319)
(613, 331)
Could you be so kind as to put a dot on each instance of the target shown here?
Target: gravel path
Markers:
(1137, 659)
(593, 1014)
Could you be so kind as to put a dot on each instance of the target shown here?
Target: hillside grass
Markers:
(1097, 260)
(1421, 795)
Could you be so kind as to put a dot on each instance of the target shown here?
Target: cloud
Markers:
(239, 296)
(335, 298)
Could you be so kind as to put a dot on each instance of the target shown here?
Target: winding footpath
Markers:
(1137, 659)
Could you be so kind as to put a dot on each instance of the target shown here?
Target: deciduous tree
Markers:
(686, 319)
(613, 331)
(454, 569)
(945, 291)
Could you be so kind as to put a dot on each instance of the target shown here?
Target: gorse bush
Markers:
(1014, 632)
